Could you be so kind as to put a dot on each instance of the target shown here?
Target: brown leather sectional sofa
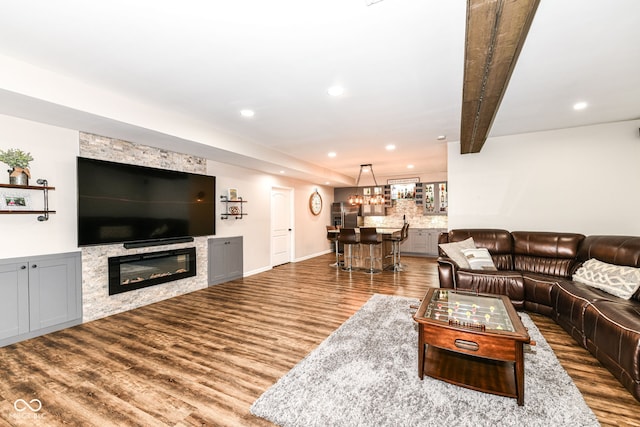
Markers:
(535, 270)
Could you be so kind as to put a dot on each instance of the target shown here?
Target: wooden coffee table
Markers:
(472, 340)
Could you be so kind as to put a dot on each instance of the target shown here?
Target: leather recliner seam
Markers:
(535, 279)
(584, 308)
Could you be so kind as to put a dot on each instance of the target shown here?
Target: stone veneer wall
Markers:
(413, 214)
(96, 301)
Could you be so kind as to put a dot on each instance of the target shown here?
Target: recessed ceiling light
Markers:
(410, 166)
(247, 113)
(332, 154)
(390, 147)
(327, 183)
(335, 90)
(442, 137)
(580, 105)
(281, 171)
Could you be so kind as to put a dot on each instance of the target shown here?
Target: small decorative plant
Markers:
(15, 158)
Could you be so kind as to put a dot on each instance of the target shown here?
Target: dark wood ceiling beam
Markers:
(495, 33)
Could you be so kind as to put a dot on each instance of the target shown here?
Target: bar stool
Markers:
(369, 236)
(393, 239)
(332, 236)
(395, 248)
(348, 239)
(404, 235)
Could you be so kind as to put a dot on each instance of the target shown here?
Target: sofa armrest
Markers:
(447, 272)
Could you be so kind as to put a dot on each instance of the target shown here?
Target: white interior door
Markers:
(281, 229)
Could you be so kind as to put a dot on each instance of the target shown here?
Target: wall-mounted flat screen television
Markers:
(120, 203)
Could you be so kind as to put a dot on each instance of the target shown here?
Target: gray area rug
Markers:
(365, 374)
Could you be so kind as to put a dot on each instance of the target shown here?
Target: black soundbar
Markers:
(156, 242)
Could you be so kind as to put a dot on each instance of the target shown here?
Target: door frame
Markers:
(292, 221)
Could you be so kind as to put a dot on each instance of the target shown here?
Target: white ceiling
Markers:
(400, 62)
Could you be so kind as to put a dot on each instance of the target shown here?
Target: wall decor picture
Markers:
(15, 202)
(233, 194)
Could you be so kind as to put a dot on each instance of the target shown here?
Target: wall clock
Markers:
(315, 203)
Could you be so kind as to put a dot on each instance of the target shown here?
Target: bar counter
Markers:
(385, 254)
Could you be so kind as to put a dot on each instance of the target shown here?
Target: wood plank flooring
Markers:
(202, 359)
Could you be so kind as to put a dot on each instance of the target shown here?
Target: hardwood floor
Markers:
(203, 358)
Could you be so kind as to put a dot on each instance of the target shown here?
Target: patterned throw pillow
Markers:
(479, 259)
(454, 251)
(617, 280)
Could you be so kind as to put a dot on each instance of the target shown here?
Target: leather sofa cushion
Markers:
(569, 300)
(554, 267)
(619, 250)
(581, 291)
(537, 293)
(537, 288)
(546, 244)
(612, 334)
(545, 252)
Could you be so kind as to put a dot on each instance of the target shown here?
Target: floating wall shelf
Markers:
(233, 208)
(43, 214)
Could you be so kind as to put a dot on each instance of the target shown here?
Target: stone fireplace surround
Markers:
(96, 301)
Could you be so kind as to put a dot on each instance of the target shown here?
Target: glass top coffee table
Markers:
(472, 340)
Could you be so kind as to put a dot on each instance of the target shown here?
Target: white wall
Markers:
(581, 180)
(255, 187)
(54, 151)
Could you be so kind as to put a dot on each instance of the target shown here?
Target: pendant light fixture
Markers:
(371, 199)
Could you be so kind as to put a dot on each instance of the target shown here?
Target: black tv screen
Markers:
(119, 203)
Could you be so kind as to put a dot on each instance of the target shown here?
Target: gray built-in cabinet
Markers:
(38, 295)
(422, 241)
(225, 259)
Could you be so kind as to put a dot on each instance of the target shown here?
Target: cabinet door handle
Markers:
(22, 267)
(34, 266)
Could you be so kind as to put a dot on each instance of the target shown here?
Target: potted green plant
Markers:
(18, 161)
